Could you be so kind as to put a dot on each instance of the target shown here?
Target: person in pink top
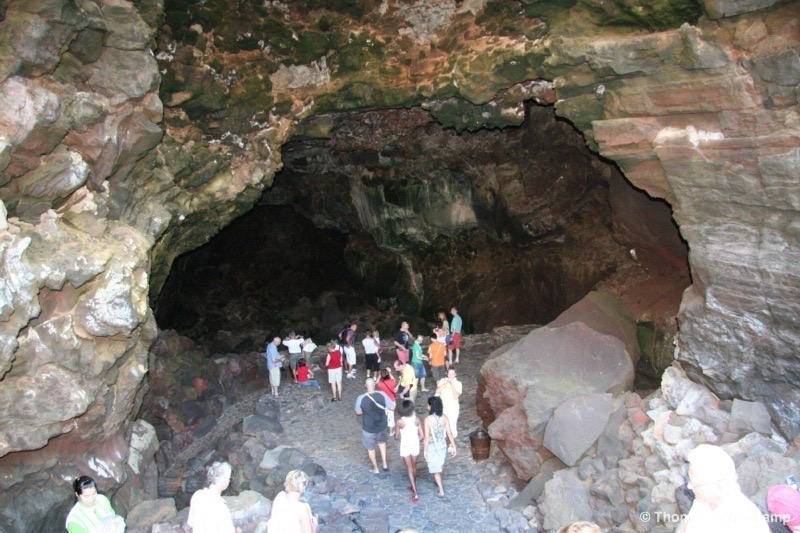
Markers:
(387, 385)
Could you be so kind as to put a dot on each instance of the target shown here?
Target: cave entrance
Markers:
(386, 213)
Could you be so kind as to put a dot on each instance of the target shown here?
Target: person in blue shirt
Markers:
(274, 364)
(455, 339)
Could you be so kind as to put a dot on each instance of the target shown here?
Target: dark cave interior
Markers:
(391, 215)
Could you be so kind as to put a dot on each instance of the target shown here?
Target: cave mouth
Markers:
(386, 215)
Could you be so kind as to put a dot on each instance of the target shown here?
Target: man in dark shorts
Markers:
(372, 406)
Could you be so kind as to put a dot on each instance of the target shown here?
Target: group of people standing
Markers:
(378, 407)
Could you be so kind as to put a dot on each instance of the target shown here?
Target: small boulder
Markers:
(254, 424)
(747, 417)
(150, 512)
(576, 424)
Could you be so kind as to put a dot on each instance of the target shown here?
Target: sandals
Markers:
(415, 500)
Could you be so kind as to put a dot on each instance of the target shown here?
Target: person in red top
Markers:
(303, 373)
(386, 385)
(334, 364)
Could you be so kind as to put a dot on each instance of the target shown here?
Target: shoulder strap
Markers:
(369, 395)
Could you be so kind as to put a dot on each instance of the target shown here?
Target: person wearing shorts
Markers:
(372, 361)
(334, 363)
(274, 364)
(295, 346)
(372, 407)
(409, 431)
(350, 351)
(455, 339)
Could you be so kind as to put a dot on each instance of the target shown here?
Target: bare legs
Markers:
(411, 470)
(336, 389)
(438, 479)
(373, 458)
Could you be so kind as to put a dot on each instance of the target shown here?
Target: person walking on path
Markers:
(417, 361)
(409, 431)
(455, 336)
(274, 364)
(208, 512)
(295, 346)
(436, 355)
(402, 341)
(289, 514)
(387, 385)
(372, 407)
(372, 359)
(449, 390)
(334, 363)
(349, 347)
(407, 388)
(437, 433)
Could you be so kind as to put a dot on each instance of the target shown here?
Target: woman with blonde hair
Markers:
(289, 514)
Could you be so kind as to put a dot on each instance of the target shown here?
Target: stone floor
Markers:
(331, 436)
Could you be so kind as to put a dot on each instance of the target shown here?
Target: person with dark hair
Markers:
(407, 388)
(349, 348)
(409, 431)
(417, 363)
(449, 389)
(402, 342)
(387, 385)
(303, 373)
(90, 507)
(208, 512)
(437, 433)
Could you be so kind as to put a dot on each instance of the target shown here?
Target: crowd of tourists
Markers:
(387, 410)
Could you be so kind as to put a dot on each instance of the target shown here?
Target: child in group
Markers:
(387, 384)
(303, 373)
(334, 363)
(409, 431)
(417, 362)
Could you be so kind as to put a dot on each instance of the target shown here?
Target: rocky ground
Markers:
(629, 477)
(264, 438)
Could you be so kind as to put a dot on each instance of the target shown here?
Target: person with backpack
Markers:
(348, 339)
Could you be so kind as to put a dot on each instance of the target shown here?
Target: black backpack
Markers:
(343, 336)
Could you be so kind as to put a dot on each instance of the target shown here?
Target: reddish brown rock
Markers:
(525, 381)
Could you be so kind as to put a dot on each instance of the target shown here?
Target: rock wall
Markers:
(706, 117)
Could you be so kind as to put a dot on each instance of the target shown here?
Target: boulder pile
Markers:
(559, 406)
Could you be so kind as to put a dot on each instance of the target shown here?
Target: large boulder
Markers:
(523, 383)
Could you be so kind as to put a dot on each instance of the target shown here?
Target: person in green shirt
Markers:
(417, 362)
(90, 509)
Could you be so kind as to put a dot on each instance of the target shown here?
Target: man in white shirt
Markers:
(295, 346)
(719, 505)
(208, 512)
